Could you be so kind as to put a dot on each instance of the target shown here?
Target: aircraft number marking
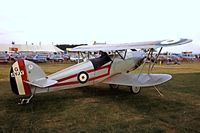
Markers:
(17, 72)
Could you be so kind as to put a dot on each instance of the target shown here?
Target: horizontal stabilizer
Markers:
(138, 80)
(42, 82)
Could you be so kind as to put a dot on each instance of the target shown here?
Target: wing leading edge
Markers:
(134, 45)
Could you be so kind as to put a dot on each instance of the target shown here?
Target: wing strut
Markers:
(156, 58)
(123, 57)
(150, 58)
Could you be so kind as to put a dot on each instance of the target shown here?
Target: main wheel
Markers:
(134, 89)
(114, 86)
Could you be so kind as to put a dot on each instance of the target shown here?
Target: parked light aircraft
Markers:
(27, 78)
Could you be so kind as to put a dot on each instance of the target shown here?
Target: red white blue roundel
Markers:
(83, 77)
(170, 41)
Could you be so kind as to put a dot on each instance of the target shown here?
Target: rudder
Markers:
(22, 71)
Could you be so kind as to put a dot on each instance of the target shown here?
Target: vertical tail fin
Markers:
(22, 71)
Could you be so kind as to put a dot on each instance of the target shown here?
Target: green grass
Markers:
(99, 109)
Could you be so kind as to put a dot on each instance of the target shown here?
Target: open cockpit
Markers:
(101, 60)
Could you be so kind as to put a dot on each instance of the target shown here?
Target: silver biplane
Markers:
(27, 78)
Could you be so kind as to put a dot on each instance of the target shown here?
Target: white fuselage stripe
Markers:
(18, 79)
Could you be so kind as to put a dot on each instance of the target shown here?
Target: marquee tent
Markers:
(29, 47)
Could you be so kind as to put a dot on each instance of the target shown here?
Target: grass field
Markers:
(99, 109)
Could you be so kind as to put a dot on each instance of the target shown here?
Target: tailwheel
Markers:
(25, 100)
(134, 89)
(114, 86)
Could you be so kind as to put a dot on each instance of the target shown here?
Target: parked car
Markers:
(57, 58)
(13, 56)
(4, 57)
(168, 59)
(39, 58)
(66, 57)
(76, 59)
(20, 56)
(30, 57)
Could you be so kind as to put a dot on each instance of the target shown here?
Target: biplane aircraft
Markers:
(27, 78)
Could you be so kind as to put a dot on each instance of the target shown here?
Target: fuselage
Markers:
(94, 71)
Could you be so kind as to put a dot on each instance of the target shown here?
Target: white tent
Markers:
(29, 47)
(5, 47)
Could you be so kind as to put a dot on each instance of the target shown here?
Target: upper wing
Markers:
(134, 45)
(142, 80)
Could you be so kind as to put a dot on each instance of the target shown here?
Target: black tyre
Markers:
(114, 86)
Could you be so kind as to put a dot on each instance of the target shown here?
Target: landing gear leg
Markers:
(114, 86)
(25, 100)
(158, 91)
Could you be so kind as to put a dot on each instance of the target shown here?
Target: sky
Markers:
(110, 21)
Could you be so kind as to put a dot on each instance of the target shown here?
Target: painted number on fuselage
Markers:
(17, 72)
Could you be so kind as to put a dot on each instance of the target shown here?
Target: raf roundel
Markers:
(165, 42)
(83, 77)
(30, 67)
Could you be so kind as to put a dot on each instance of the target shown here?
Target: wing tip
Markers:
(171, 42)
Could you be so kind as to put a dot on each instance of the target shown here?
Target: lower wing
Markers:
(138, 80)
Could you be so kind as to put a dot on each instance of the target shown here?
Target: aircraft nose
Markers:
(141, 56)
(140, 59)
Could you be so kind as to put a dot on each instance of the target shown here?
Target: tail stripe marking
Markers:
(18, 79)
(13, 82)
(24, 77)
